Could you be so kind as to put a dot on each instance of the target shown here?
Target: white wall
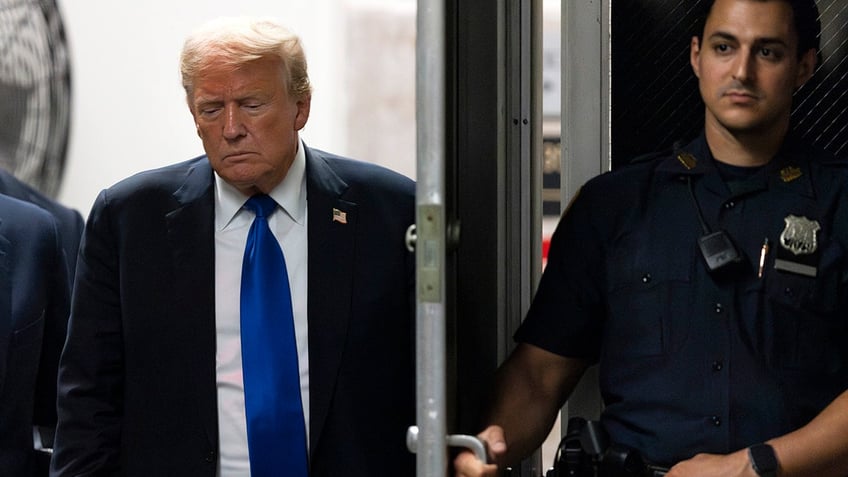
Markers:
(129, 112)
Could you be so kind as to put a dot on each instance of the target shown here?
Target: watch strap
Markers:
(763, 460)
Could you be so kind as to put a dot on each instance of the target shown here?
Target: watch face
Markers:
(763, 460)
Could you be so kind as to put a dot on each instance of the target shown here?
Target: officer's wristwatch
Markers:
(763, 460)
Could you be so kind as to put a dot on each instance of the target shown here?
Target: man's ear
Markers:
(806, 67)
(302, 116)
(695, 55)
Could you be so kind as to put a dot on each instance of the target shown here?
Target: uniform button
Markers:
(716, 421)
(646, 278)
(718, 366)
(210, 457)
(730, 205)
(788, 291)
(719, 308)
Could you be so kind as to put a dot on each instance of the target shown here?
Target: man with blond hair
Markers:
(250, 311)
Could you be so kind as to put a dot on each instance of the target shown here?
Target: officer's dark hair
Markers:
(804, 12)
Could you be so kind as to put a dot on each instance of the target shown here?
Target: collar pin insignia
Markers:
(688, 160)
(790, 173)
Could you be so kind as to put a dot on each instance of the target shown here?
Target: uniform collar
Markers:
(789, 170)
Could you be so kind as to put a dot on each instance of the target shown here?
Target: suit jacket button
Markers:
(210, 457)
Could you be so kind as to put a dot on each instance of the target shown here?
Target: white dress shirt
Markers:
(232, 222)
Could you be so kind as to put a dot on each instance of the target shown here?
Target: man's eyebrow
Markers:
(720, 35)
(206, 101)
(759, 41)
(771, 41)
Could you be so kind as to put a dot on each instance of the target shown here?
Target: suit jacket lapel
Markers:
(191, 235)
(332, 245)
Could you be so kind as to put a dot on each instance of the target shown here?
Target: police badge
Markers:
(799, 238)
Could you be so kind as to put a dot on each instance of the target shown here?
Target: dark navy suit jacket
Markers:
(70, 221)
(137, 390)
(34, 301)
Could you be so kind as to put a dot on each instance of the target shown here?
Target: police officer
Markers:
(711, 287)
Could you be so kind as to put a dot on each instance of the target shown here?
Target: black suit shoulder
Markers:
(23, 220)
(162, 181)
(360, 174)
(14, 187)
(69, 220)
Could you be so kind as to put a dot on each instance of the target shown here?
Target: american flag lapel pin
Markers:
(339, 216)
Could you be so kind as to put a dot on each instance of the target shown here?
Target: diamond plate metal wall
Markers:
(821, 112)
(655, 99)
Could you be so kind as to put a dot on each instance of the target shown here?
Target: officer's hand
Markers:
(712, 465)
(466, 463)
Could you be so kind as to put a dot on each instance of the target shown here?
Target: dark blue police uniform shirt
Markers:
(690, 360)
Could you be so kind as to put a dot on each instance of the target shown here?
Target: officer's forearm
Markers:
(531, 387)
(820, 448)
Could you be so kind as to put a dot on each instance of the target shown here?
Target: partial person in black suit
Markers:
(34, 302)
(150, 379)
(70, 221)
(70, 225)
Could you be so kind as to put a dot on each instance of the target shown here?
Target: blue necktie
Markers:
(276, 433)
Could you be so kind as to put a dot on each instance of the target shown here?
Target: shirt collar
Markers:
(789, 169)
(290, 194)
